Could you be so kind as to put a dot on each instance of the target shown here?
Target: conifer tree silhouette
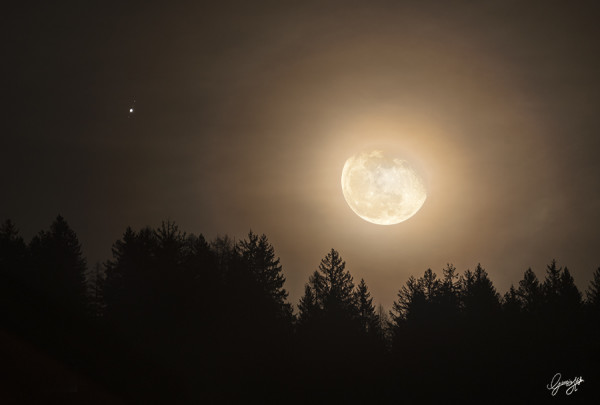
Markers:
(530, 292)
(479, 297)
(258, 257)
(427, 299)
(308, 307)
(593, 291)
(328, 325)
(59, 267)
(571, 298)
(12, 248)
(14, 282)
(333, 287)
(128, 286)
(449, 297)
(592, 312)
(551, 285)
(368, 319)
(511, 302)
(561, 296)
(177, 314)
(411, 302)
(431, 285)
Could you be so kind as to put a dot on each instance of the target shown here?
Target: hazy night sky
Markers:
(247, 111)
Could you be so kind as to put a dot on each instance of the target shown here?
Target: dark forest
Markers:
(175, 318)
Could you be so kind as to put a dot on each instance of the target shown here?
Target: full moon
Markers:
(381, 189)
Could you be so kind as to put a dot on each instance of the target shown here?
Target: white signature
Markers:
(571, 385)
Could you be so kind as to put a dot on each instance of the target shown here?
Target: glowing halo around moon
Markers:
(382, 190)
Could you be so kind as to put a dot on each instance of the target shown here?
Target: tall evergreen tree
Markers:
(448, 295)
(552, 283)
(367, 317)
(329, 334)
(173, 284)
(332, 285)
(570, 295)
(308, 307)
(59, 267)
(592, 303)
(511, 303)
(593, 291)
(530, 292)
(198, 254)
(411, 302)
(328, 307)
(431, 285)
(12, 248)
(258, 258)
(14, 283)
(129, 286)
(479, 295)
(428, 299)
(200, 262)
(561, 296)
(170, 243)
(225, 254)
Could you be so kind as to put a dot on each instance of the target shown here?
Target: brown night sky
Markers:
(246, 113)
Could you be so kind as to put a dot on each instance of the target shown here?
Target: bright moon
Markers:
(380, 189)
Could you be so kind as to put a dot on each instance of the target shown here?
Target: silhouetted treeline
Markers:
(172, 317)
